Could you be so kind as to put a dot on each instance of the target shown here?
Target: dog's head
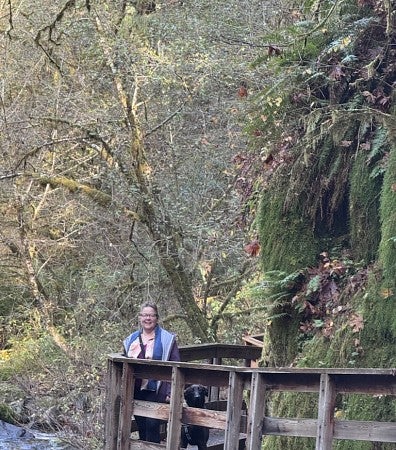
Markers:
(195, 395)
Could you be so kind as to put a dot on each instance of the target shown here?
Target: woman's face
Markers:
(148, 319)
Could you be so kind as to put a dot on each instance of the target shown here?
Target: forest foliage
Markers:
(232, 160)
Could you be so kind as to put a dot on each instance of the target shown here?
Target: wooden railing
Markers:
(240, 383)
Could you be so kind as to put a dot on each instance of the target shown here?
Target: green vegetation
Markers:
(241, 175)
(327, 211)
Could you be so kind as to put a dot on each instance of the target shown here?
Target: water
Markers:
(40, 441)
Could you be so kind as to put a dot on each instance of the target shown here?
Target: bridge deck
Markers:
(239, 383)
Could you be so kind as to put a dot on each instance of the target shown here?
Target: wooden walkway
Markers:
(239, 383)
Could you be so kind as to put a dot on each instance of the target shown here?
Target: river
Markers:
(40, 441)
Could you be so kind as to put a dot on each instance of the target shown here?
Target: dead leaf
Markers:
(369, 96)
(253, 248)
(336, 73)
(356, 322)
(274, 50)
(386, 292)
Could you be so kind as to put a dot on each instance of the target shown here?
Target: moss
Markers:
(339, 191)
(308, 407)
(282, 443)
(364, 211)
(387, 250)
(287, 241)
(281, 337)
(373, 346)
(378, 336)
(359, 407)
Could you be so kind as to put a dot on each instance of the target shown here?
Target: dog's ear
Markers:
(206, 392)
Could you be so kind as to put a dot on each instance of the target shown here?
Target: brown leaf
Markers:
(268, 159)
(356, 322)
(369, 96)
(336, 73)
(274, 50)
(386, 292)
(328, 328)
(253, 248)
(365, 145)
(242, 91)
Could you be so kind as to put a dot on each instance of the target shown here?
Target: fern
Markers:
(379, 143)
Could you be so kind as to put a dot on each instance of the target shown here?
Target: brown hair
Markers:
(150, 305)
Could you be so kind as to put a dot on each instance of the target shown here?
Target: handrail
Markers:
(240, 381)
(219, 351)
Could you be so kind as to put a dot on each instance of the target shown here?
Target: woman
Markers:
(151, 342)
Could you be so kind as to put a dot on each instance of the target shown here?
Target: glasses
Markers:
(148, 316)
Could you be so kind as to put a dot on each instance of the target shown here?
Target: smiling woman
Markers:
(151, 342)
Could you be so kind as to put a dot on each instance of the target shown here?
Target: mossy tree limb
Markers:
(156, 220)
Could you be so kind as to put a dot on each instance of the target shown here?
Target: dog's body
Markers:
(195, 434)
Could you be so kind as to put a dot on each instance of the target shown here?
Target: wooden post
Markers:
(234, 408)
(256, 412)
(127, 385)
(113, 402)
(176, 409)
(214, 391)
(325, 428)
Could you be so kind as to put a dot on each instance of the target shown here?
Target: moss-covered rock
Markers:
(338, 189)
(364, 210)
(371, 346)
(287, 240)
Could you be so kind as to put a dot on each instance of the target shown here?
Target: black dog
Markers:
(195, 434)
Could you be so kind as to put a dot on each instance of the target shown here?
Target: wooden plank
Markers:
(218, 405)
(327, 382)
(152, 372)
(325, 429)
(195, 373)
(127, 386)
(204, 417)
(207, 377)
(144, 445)
(343, 429)
(365, 431)
(214, 391)
(234, 407)
(208, 351)
(220, 446)
(366, 383)
(256, 412)
(118, 357)
(290, 427)
(113, 402)
(151, 409)
(176, 409)
(254, 340)
(294, 382)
